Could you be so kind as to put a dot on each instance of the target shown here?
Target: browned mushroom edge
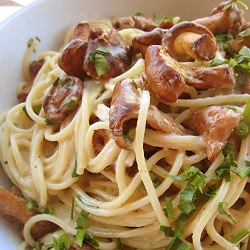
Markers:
(96, 52)
(141, 42)
(63, 98)
(223, 21)
(100, 138)
(168, 78)
(15, 207)
(114, 55)
(163, 73)
(215, 124)
(124, 109)
(138, 22)
(221, 76)
(24, 90)
(187, 41)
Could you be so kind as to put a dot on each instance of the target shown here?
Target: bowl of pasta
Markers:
(125, 125)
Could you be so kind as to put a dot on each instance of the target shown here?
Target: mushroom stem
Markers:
(188, 41)
(195, 45)
(223, 20)
(218, 23)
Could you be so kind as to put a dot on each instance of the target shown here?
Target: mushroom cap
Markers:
(204, 48)
(164, 74)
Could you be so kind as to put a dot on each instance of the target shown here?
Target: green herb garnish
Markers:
(176, 242)
(233, 4)
(245, 33)
(169, 211)
(230, 107)
(224, 170)
(245, 171)
(222, 40)
(49, 210)
(48, 122)
(139, 14)
(195, 182)
(243, 128)
(62, 243)
(98, 58)
(31, 40)
(56, 81)
(72, 208)
(129, 135)
(38, 245)
(74, 173)
(240, 236)
(32, 204)
(221, 210)
(240, 63)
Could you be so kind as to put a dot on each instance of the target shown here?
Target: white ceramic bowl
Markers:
(49, 20)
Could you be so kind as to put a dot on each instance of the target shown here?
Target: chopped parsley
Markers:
(155, 180)
(224, 170)
(97, 57)
(195, 183)
(245, 172)
(118, 241)
(240, 63)
(62, 243)
(72, 208)
(243, 128)
(36, 109)
(221, 210)
(82, 234)
(176, 242)
(222, 40)
(32, 204)
(174, 19)
(240, 236)
(31, 40)
(71, 102)
(139, 14)
(129, 135)
(230, 107)
(49, 210)
(56, 81)
(245, 33)
(38, 245)
(74, 173)
(48, 122)
(233, 4)
(81, 228)
(169, 211)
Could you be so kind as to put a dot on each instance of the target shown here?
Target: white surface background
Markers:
(8, 8)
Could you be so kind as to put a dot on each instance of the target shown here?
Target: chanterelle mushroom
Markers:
(16, 207)
(107, 56)
(24, 90)
(141, 42)
(168, 78)
(223, 20)
(164, 74)
(216, 125)
(221, 76)
(63, 98)
(138, 22)
(110, 55)
(125, 107)
(187, 41)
